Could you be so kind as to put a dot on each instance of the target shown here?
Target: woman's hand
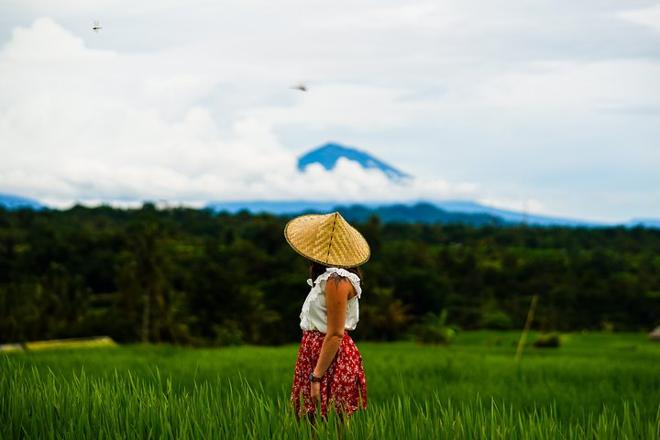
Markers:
(316, 391)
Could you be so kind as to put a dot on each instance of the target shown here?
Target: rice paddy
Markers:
(596, 385)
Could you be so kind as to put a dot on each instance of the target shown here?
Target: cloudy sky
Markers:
(548, 106)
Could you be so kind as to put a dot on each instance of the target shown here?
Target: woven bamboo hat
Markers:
(327, 239)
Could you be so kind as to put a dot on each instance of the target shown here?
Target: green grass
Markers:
(594, 386)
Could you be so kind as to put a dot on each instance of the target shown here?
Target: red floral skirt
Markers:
(343, 383)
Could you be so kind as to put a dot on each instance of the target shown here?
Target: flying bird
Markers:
(300, 86)
(96, 27)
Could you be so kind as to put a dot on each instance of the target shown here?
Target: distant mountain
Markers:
(511, 216)
(418, 213)
(283, 207)
(445, 212)
(645, 222)
(453, 211)
(327, 156)
(9, 201)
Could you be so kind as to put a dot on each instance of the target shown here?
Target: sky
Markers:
(552, 107)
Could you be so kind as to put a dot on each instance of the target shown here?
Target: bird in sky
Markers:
(96, 27)
(300, 86)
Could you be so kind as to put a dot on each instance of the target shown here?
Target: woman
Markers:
(329, 366)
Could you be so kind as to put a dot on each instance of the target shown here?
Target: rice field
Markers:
(594, 386)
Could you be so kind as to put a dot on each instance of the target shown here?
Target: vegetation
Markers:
(550, 340)
(433, 329)
(601, 386)
(194, 277)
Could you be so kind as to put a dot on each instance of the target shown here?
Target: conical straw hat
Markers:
(327, 239)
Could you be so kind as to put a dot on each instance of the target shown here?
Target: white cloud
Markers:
(529, 206)
(419, 15)
(363, 107)
(649, 17)
(553, 86)
(81, 124)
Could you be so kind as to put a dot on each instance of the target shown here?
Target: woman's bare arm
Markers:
(337, 291)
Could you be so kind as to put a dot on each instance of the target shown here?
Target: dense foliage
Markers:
(192, 276)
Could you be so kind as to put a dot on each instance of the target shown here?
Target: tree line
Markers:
(197, 277)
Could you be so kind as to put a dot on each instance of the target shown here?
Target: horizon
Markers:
(257, 206)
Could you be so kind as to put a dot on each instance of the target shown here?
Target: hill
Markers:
(9, 201)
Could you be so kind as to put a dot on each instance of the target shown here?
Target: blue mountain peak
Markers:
(328, 154)
(10, 201)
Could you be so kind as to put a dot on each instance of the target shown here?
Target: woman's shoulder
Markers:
(339, 274)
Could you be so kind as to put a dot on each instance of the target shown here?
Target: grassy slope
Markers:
(599, 385)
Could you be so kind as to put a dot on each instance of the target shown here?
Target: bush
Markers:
(433, 329)
(550, 340)
(228, 333)
(496, 319)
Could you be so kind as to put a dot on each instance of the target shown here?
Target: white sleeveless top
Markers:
(314, 312)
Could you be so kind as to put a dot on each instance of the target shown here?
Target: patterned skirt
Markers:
(343, 383)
